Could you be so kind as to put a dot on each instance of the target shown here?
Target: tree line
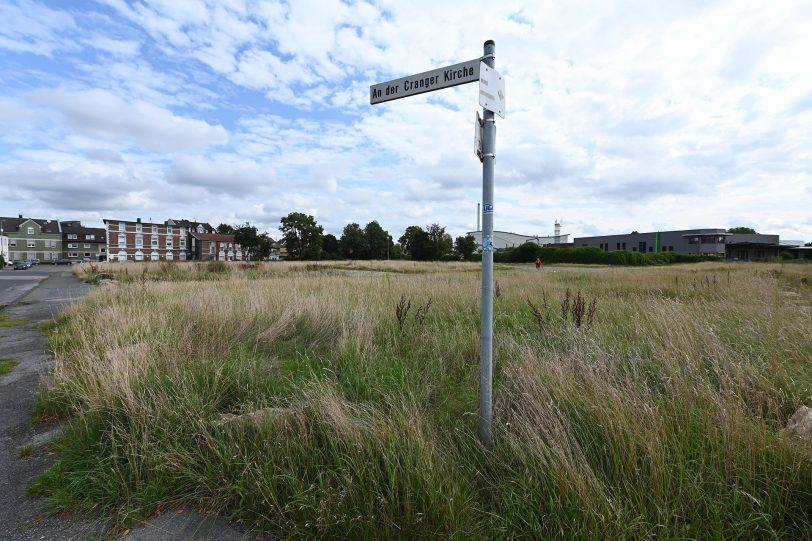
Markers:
(305, 240)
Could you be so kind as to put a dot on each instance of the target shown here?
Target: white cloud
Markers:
(105, 116)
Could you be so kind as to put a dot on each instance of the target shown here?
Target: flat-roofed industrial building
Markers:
(707, 241)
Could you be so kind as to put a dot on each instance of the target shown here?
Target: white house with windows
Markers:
(4, 247)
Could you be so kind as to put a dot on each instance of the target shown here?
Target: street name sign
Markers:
(428, 81)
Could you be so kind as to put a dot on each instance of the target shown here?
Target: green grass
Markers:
(8, 321)
(24, 451)
(299, 404)
(6, 366)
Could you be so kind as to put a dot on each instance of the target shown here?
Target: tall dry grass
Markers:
(298, 402)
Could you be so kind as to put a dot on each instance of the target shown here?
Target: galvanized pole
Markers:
(486, 341)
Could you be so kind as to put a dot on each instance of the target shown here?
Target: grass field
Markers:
(629, 403)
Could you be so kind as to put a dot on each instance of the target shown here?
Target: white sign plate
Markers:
(428, 81)
(491, 90)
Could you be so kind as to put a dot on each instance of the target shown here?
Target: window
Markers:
(12, 242)
(30, 230)
(138, 228)
(31, 243)
(122, 241)
(155, 241)
(102, 249)
(181, 231)
(200, 229)
(90, 237)
(624, 245)
(71, 236)
(87, 254)
(651, 248)
(139, 242)
(88, 245)
(618, 246)
(73, 254)
(169, 230)
(169, 242)
(154, 229)
(183, 242)
(121, 227)
(73, 245)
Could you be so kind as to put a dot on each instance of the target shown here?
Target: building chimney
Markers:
(20, 216)
(138, 220)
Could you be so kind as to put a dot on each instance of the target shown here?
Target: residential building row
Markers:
(50, 241)
(172, 240)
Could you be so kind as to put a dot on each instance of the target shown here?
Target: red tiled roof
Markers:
(212, 236)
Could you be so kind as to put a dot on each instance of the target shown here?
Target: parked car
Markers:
(21, 265)
(34, 261)
(64, 262)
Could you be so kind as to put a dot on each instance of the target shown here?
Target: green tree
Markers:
(225, 229)
(329, 246)
(464, 247)
(441, 242)
(353, 242)
(302, 236)
(264, 246)
(742, 230)
(246, 236)
(409, 238)
(378, 241)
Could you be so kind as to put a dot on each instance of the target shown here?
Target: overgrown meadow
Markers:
(340, 401)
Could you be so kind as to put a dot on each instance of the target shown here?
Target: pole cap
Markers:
(490, 42)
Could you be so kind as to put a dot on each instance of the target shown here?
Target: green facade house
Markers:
(32, 238)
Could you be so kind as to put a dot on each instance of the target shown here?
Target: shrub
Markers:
(217, 266)
(590, 255)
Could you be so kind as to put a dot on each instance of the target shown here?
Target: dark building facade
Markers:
(708, 242)
(80, 243)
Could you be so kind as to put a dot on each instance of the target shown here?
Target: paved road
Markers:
(15, 284)
(39, 295)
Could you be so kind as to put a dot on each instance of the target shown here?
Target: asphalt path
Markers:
(15, 284)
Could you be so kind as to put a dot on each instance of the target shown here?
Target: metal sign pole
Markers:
(492, 99)
(486, 341)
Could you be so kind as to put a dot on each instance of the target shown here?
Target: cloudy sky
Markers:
(620, 115)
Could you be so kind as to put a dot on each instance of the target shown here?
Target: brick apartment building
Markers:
(172, 240)
(146, 241)
(214, 246)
